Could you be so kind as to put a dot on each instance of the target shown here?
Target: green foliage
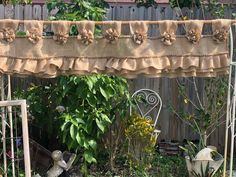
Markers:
(146, 3)
(184, 3)
(92, 103)
(14, 2)
(216, 8)
(42, 111)
(207, 173)
(192, 149)
(169, 166)
(79, 109)
(77, 9)
(20, 171)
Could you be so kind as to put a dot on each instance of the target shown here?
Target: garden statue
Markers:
(59, 164)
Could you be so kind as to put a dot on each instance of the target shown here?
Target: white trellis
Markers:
(11, 139)
(231, 108)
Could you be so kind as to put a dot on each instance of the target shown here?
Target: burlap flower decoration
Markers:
(61, 37)
(112, 31)
(220, 29)
(8, 29)
(139, 37)
(167, 31)
(61, 31)
(34, 35)
(138, 30)
(193, 36)
(86, 36)
(194, 30)
(34, 30)
(111, 35)
(220, 35)
(86, 31)
(168, 38)
(7, 34)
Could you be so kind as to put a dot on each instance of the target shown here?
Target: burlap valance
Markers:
(170, 55)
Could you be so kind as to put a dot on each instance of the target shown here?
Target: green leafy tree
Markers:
(207, 111)
(146, 3)
(77, 10)
(14, 2)
(91, 104)
(215, 7)
(185, 3)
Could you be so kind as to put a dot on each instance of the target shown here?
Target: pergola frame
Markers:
(231, 108)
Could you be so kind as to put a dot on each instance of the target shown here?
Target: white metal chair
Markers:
(151, 107)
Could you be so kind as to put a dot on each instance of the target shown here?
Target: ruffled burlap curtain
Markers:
(168, 55)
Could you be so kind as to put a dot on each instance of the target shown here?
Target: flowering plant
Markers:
(141, 141)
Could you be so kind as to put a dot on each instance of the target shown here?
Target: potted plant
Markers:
(204, 118)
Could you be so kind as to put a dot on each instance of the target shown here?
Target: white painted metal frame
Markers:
(153, 99)
(230, 112)
(8, 105)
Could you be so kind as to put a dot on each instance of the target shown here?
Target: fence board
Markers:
(45, 12)
(37, 12)
(9, 11)
(28, 12)
(19, 12)
(1, 11)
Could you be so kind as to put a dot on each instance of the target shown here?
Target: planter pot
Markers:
(198, 165)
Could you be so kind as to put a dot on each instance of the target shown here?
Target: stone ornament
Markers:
(138, 30)
(220, 29)
(86, 31)
(112, 31)
(8, 29)
(193, 30)
(167, 31)
(61, 31)
(34, 31)
(59, 164)
(205, 158)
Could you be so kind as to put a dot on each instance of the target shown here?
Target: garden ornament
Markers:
(205, 154)
(59, 164)
(207, 157)
(153, 102)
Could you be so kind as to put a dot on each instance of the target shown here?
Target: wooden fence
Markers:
(171, 127)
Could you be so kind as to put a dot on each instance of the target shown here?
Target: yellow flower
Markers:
(185, 101)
